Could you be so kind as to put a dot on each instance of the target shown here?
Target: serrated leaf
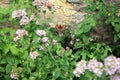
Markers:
(87, 28)
(117, 28)
(2, 69)
(77, 32)
(56, 73)
(68, 53)
(58, 49)
(24, 79)
(14, 50)
(85, 39)
(8, 68)
(6, 49)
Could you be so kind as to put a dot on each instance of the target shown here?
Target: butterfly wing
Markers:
(57, 27)
(63, 27)
(60, 28)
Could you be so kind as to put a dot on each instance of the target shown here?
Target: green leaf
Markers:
(79, 31)
(12, 60)
(32, 78)
(6, 48)
(24, 79)
(87, 28)
(117, 28)
(3, 61)
(118, 35)
(14, 50)
(3, 31)
(58, 49)
(2, 69)
(85, 39)
(7, 77)
(116, 38)
(25, 54)
(8, 68)
(56, 73)
(68, 52)
(79, 25)
(42, 22)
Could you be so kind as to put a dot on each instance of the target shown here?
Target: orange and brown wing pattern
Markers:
(60, 28)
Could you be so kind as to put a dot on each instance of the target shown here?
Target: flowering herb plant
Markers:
(33, 50)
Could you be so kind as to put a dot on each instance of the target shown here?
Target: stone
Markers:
(73, 1)
(4, 3)
(65, 13)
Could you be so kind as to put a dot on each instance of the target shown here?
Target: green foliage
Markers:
(56, 61)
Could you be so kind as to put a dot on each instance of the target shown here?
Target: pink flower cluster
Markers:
(19, 13)
(41, 48)
(111, 67)
(54, 42)
(44, 39)
(41, 33)
(14, 75)
(23, 15)
(20, 33)
(80, 68)
(115, 77)
(24, 20)
(42, 4)
(95, 67)
(38, 3)
(34, 54)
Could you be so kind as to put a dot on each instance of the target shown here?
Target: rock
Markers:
(67, 13)
(73, 1)
(4, 3)
(63, 13)
(78, 17)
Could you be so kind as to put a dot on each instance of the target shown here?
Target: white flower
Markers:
(20, 33)
(16, 38)
(46, 44)
(111, 65)
(80, 68)
(14, 75)
(41, 33)
(115, 77)
(118, 66)
(77, 39)
(71, 42)
(38, 3)
(32, 17)
(19, 13)
(24, 20)
(95, 67)
(34, 54)
(76, 73)
(52, 25)
(72, 36)
(82, 62)
(41, 48)
(54, 41)
(41, 4)
(91, 39)
(43, 8)
(45, 39)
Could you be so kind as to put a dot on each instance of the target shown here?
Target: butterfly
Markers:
(60, 28)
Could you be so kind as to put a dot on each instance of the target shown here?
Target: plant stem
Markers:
(51, 54)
